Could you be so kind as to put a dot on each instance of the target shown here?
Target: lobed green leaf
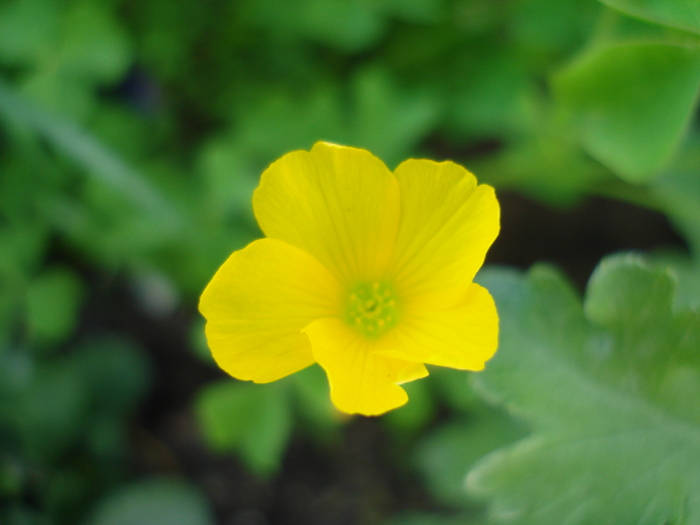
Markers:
(612, 391)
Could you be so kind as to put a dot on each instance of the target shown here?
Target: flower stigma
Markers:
(371, 308)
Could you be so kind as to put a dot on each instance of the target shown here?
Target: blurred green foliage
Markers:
(615, 92)
(675, 13)
(132, 135)
(154, 501)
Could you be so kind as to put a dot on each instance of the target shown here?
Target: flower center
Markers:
(372, 308)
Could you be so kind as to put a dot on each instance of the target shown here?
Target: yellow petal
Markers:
(339, 204)
(362, 381)
(464, 336)
(257, 304)
(410, 371)
(447, 225)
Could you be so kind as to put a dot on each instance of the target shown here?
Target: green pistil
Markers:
(371, 308)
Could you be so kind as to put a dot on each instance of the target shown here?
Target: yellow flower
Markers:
(365, 272)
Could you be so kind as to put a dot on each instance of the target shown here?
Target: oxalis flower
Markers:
(366, 272)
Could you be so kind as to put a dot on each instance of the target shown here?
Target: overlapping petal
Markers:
(257, 304)
(362, 380)
(463, 336)
(339, 204)
(447, 225)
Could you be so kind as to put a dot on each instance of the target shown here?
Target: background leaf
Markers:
(154, 502)
(683, 14)
(89, 153)
(679, 193)
(254, 420)
(56, 286)
(611, 396)
(445, 454)
(634, 102)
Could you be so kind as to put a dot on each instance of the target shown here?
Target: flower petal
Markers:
(447, 225)
(257, 304)
(464, 336)
(362, 381)
(339, 204)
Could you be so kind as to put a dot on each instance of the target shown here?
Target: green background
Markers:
(132, 134)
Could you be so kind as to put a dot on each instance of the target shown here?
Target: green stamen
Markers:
(371, 308)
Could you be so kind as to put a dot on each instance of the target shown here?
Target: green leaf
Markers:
(491, 94)
(27, 30)
(612, 391)
(445, 454)
(548, 29)
(387, 120)
(58, 91)
(22, 248)
(116, 373)
(154, 502)
(103, 164)
(412, 518)
(94, 44)
(67, 489)
(16, 514)
(53, 303)
(687, 272)
(229, 179)
(548, 165)
(313, 404)
(107, 439)
(16, 371)
(409, 419)
(682, 14)
(634, 102)
(50, 413)
(454, 388)
(679, 193)
(416, 11)
(198, 341)
(278, 121)
(347, 26)
(254, 420)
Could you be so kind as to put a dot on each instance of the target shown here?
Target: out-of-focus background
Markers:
(132, 134)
